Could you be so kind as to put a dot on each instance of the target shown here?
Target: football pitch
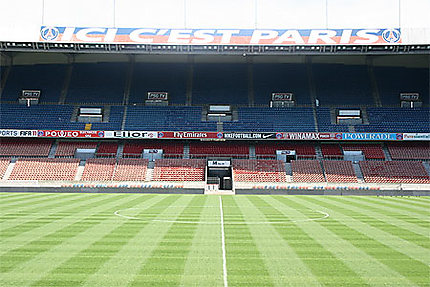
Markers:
(194, 240)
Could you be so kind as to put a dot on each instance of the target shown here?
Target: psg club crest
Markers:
(219, 135)
(49, 33)
(391, 35)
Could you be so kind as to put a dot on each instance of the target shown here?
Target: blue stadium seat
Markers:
(171, 118)
(324, 122)
(396, 120)
(14, 116)
(171, 78)
(342, 84)
(220, 84)
(273, 120)
(269, 78)
(395, 80)
(47, 78)
(97, 83)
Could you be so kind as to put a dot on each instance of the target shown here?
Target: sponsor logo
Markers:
(391, 35)
(278, 136)
(369, 136)
(183, 135)
(416, 136)
(134, 134)
(219, 135)
(160, 134)
(248, 135)
(49, 33)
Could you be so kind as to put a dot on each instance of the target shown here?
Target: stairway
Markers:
(358, 172)
(186, 151)
(9, 170)
(149, 172)
(124, 118)
(318, 152)
(66, 85)
(386, 153)
(80, 170)
(120, 150)
(427, 167)
(53, 150)
(252, 154)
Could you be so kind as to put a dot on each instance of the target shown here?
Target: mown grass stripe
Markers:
(369, 226)
(128, 260)
(396, 258)
(28, 228)
(28, 203)
(394, 213)
(388, 224)
(330, 260)
(413, 211)
(166, 263)
(204, 264)
(421, 201)
(283, 263)
(33, 269)
(59, 232)
(245, 265)
(105, 242)
(20, 216)
(8, 198)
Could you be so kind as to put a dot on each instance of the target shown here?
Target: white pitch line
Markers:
(224, 259)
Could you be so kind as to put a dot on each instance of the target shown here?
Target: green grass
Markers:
(176, 240)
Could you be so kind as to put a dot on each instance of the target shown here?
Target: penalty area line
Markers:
(224, 259)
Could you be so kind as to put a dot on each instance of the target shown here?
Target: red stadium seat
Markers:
(307, 171)
(259, 170)
(45, 169)
(394, 172)
(179, 170)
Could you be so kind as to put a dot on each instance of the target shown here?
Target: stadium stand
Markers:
(332, 151)
(68, 149)
(45, 169)
(338, 84)
(199, 149)
(324, 121)
(179, 170)
(290, 78)
(56, 117)
(395, 80)
(394, 172)
(220, 84)
(298, 119)
(370, 151)
(245, 170)
(339, 171)
(130, 169)
(410, 151)
(172, 118)
(107, 149)
(171, 78)
(268, 150)
(25, 147)
(387, 120)
(4, 163)
(116, 115)
(170, 149)
(47, 78)
(307, 171)
(97, 83)
(99, 169)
